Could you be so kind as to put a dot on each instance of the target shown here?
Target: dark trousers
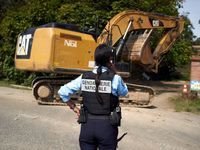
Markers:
(98, 133)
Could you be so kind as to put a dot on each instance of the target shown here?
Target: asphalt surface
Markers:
(26, 125)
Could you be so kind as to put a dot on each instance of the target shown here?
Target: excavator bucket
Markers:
(137, 48)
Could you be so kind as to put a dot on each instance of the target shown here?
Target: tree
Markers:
(33, 13)
(197, 42)
(180, 53)
(187, 34)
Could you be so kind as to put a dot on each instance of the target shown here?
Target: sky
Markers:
(193, 7)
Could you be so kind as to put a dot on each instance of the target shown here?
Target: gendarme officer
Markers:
(100, 113)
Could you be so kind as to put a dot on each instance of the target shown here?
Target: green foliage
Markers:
(6, 82)
(167, 7)
(20, 15)
(197, 41)
(183, 74)
(179, 55)
(9, 4)
(33, 13)
(27, 81)
(187, 34)
(186, 105)
(186, 74)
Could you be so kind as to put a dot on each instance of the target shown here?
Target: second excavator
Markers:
(64, 49)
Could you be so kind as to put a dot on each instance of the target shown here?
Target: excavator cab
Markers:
(91, 28)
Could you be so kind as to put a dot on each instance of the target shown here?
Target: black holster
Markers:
(83, 115)
(115, 116)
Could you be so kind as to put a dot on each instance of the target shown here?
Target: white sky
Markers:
(193, 7)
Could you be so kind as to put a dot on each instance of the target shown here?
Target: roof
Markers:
(195, 58)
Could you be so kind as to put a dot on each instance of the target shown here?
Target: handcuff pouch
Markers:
(83, 115)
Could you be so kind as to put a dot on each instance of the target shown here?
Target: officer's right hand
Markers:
(111, 67)
(76, 110)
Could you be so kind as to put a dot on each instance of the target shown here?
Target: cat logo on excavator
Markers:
(23, 45)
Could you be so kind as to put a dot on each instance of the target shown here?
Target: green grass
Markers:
(186, 105)
(6, 82)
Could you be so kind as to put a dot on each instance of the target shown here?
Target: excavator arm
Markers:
(136, 49)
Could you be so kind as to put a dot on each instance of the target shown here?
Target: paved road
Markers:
(26, 125)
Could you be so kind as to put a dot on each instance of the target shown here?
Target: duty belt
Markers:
(90, 116)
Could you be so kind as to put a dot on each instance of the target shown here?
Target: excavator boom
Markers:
(140, 20)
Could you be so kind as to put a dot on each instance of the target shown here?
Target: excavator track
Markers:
(45, 90)
(138, 96)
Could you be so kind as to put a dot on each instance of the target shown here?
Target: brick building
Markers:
(195, 74)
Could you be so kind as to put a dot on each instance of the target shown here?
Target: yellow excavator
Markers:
(64, 49)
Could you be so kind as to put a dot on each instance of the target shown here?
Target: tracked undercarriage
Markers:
(45, 90)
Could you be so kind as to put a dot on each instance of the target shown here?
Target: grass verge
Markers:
(186, 105)
(8, 83)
